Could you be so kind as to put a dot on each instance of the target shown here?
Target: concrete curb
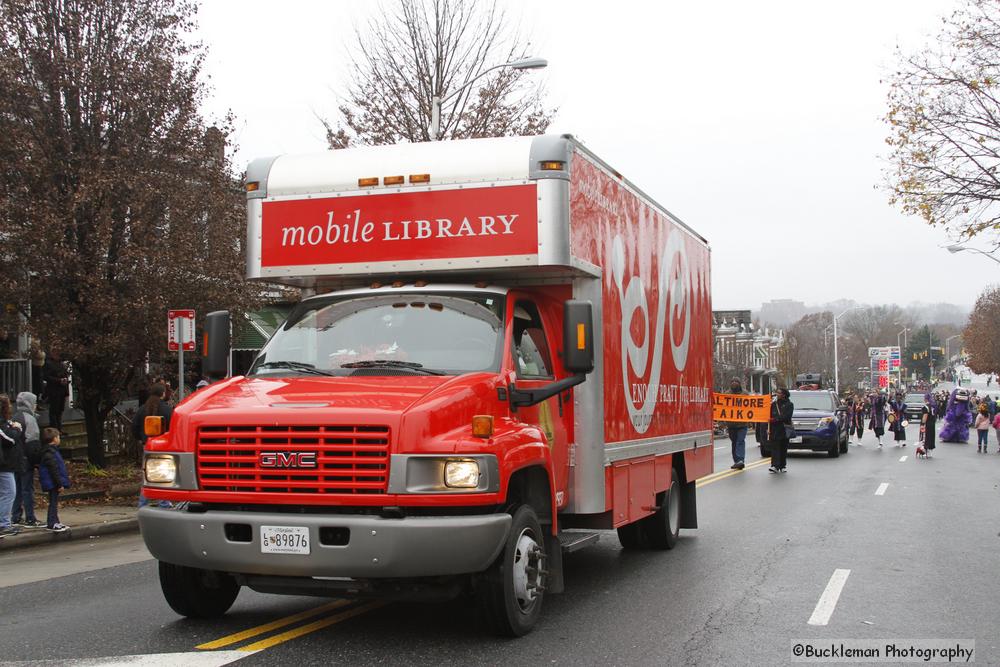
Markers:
(31, 538)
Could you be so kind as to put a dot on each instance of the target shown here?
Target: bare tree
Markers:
(944, 120)
(116, 200)
(980, 337)
(418, 49)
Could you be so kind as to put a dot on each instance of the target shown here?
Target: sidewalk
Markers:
(85, 521)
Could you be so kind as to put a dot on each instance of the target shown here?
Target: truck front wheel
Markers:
(514, 586)
(197, 593)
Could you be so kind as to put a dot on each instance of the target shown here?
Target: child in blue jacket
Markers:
(52, 476)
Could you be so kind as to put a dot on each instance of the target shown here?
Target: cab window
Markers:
(531, 348)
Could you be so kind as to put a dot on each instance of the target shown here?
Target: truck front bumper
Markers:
(376, 547)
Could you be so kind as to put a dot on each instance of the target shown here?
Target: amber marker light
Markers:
(393, 180)
(552, 165)
(253, 186)
(581, 337)
(367, 182)
(482, 426)
(153, 426)
(420, 178)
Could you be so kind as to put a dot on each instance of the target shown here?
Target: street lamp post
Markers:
(956, 247)
(436, 101)
(836, 359)
(947, 348)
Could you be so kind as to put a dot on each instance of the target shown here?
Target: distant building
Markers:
(746, 351)
(782, 312)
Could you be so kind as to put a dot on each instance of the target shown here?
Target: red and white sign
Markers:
(439, 224)
(180, 323)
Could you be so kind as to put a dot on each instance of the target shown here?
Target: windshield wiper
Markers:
(294, 365)
(391, 363)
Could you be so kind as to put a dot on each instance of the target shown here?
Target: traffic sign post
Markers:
(180, 338)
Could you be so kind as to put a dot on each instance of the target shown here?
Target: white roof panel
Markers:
(468, 161)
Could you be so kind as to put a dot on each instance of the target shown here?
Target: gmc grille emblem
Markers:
(287, 459)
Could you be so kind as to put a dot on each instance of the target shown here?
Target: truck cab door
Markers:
(533, 345)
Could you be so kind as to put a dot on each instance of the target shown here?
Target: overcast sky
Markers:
(757, 123)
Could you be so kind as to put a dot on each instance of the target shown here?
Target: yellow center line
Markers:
(311, 627)
(273, 625)
(729, 473)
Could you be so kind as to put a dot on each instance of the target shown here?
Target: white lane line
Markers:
(902, 458)
(828, 600)
(718, 448)
(880, 491)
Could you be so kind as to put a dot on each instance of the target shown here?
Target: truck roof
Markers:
(496, 207)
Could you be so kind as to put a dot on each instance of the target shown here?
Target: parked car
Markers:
(820, 424)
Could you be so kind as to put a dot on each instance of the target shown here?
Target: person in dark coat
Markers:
(877, 409)
(155, 406)
(53, 477)
(24, 501)
(737, 431)
(56, 388)
(928, 422)
(11, 463)
(897, 408)
(777, 439)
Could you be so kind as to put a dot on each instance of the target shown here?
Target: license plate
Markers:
(796, 440)
(284, 540)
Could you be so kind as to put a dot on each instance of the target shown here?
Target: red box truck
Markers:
(504, 346)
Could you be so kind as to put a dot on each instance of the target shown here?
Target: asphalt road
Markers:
(922, 561)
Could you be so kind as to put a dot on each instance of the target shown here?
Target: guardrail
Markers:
(15, 376)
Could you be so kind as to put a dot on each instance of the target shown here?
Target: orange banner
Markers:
(741, 408)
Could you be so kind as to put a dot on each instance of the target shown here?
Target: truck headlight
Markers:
(161, 469)
(461, 474)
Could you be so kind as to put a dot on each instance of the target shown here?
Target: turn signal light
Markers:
(420, 178)
(367, 182)
(393, 180)
(482, 426)
(552, 165)
(253, 186)
(153, 426)
(581, 337)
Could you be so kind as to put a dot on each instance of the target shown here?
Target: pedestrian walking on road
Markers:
(856, 414)
(24, 500)
(877, 409)
(53, 477)
(11, 463)
(897, 420)
(928, 422)
(983, 425)
(737, 431)
(779, 426)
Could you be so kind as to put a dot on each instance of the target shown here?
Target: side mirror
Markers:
(578, 336)
(215, 345)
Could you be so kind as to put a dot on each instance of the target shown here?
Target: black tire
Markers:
(843, 446)
(834, 450)
(511, 605)
(662, 529)
(632, 536)
(197, 593)
(764, 452)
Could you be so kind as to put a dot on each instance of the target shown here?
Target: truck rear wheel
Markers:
(632, 536)
(663, 528)
(514, 586)
(197, 593)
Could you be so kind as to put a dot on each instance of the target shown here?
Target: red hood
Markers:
(353, 395)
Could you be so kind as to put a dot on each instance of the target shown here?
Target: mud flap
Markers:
(553, 549)
(689, 506)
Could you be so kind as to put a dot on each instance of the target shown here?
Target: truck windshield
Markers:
(399, 334)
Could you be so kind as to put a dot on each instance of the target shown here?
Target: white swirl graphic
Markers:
(632, 297)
